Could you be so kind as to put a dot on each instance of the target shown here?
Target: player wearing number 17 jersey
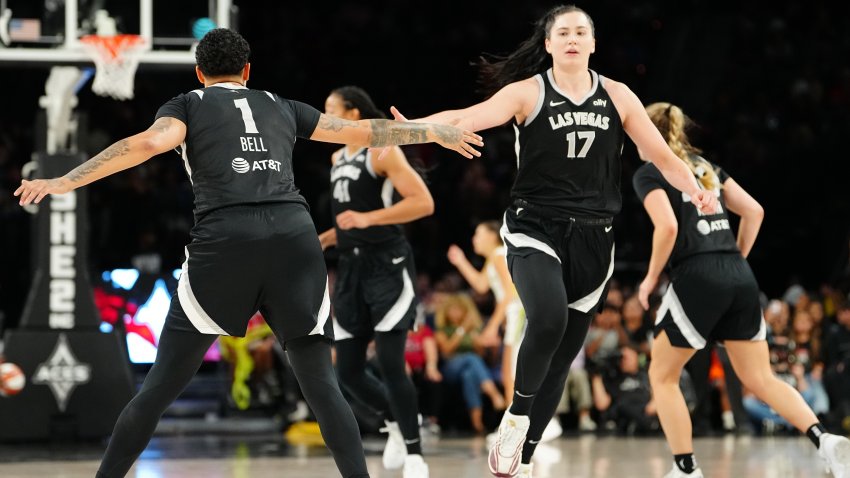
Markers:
(253, 246)
(570, 123)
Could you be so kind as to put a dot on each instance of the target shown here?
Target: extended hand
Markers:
(449, 137)
(397, 114)
(645, 290)
(433, 374)
(457, 139)
(352, 220)
(455, 254)
(34, 191)
(705, 201)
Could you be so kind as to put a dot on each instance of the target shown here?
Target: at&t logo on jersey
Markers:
(241, 166)
(705, 227)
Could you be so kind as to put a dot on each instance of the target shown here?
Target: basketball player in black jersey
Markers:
(253, 245)
(571, 123)
(374, 297)
(713, 296)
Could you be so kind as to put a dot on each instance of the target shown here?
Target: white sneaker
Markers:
(553, 430)
(415, 467)
(835, 450)
(491, 439)
(586, 424)
(728, 421)
(395, 450)
(524, 470)
(504, 457)
(677, 473)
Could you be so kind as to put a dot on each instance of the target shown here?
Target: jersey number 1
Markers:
(247, 116)
(587, 136)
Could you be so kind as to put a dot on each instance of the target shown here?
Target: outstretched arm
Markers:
(377, 133)
(477, 279)
(751, 212)
(515, 100)
(165, 134)
(663, 239)
(640, 129)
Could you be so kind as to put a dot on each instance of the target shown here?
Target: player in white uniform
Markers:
(494, 276)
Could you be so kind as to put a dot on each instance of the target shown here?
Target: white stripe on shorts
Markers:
(324, 312)
(671, 303)
(589, 301)
(196, 314)
(401, 306)
(519, 240)
(340, 333)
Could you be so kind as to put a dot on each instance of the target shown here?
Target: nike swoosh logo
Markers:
(608, 229)
(556, 103)
(398, 260)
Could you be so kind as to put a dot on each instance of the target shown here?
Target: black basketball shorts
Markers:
(374, 291)
(711, 297)
(243, 259)
(583, 246)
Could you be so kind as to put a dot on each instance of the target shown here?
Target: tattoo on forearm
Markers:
(331, 123)
(386, 133)
(161, 125)
(118, 149)
(446, 133)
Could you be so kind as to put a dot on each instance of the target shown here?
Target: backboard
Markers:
(48, 32)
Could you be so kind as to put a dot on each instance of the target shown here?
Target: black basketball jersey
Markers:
(356, 187)
(698, 233)
(568, 154)
(238, 147)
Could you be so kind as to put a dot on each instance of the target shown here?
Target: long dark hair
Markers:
(356, 97)
(529, 59)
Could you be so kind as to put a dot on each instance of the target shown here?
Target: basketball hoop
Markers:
(116, 58)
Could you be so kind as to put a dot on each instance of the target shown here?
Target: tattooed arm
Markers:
(165, 134)
(378, 133)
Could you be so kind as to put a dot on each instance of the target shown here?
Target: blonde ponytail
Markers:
(672, 122)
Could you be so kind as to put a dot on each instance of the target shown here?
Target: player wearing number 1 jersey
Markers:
(253, 244)
(570, 124)
(374, 296)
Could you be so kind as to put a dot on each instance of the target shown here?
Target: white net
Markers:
(116, 59)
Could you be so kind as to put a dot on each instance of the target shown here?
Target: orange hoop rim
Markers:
(113, 46)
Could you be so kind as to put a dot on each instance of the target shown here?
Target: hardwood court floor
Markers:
(581, 457)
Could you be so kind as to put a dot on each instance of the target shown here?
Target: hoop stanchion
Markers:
(116, 58)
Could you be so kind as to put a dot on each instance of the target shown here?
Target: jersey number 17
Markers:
(587, 136)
